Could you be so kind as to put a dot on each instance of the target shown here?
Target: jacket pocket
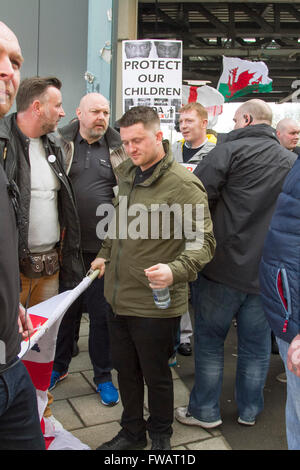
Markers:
(106, 170)
(284, 294)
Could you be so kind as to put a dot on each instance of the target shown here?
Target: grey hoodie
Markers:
(204, 150)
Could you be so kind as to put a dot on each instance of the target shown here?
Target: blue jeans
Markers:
(292, 407)
(216, 306)
(20, 427)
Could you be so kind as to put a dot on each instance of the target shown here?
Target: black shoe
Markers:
(185, 349)
(119, 442)
(161, 443)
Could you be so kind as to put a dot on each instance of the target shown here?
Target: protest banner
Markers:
(152, 76)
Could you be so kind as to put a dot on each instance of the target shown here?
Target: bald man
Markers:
(19, 419)
(11, 61)
(92, 149)
(288, 131)
(243, 177)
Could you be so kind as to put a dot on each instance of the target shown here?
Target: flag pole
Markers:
(93, 274)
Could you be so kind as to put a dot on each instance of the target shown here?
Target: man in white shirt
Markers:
(48, 225)
(49, 229)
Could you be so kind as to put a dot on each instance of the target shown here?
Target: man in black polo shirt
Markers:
(92, 150)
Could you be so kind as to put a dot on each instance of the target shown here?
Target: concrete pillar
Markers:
(127, 29)
(110, 22)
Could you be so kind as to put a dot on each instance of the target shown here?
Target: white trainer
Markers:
(183, 416)
(246, 423)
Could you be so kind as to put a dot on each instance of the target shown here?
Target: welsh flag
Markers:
(37, 354)
(242, 77)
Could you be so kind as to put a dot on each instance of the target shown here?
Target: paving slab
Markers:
(73, 385)
(65, 414)
(216, 443)
(94, 436)
(92, 412)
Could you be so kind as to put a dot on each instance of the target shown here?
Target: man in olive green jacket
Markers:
(161, 237)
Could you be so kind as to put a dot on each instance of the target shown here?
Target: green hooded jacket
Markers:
(151, 226)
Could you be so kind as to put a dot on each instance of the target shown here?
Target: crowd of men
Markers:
(237, 261)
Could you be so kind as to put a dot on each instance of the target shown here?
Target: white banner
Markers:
(38, 355)
(152, 76)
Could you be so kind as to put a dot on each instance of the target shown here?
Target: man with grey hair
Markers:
(243, 177)
(92, 149)
(288, 131)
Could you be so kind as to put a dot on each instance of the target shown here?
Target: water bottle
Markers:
(162, 297)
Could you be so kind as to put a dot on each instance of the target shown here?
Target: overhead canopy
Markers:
(264, 31)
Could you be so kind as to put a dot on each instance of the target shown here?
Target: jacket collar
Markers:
(70, 131)
(7, 124)
(257, 130)
(126, 170)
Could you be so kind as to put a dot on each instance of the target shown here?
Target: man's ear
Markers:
(36, 107)
(78, 113)
(246, 117)
(159, 136)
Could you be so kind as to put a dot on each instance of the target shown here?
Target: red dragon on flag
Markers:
(237, 81)
(239, 78)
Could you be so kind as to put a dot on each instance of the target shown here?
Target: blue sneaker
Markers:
(55, 378)
(173, 361)
(108, 393)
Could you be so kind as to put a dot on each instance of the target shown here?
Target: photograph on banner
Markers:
(152, 76)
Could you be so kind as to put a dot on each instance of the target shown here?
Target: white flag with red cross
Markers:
(38, 353)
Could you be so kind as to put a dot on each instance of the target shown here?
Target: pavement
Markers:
(78, 408)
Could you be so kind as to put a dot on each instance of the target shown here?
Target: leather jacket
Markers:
(15, 159)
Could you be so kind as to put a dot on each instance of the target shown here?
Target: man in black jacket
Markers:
(92, 150)
(243, 177)
(19, 420)
(49, 230)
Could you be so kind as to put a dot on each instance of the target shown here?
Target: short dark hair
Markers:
(33, 88)
(139, 114)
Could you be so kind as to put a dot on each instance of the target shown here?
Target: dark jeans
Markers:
(99, 346)
(20, 427)
(140, 350)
